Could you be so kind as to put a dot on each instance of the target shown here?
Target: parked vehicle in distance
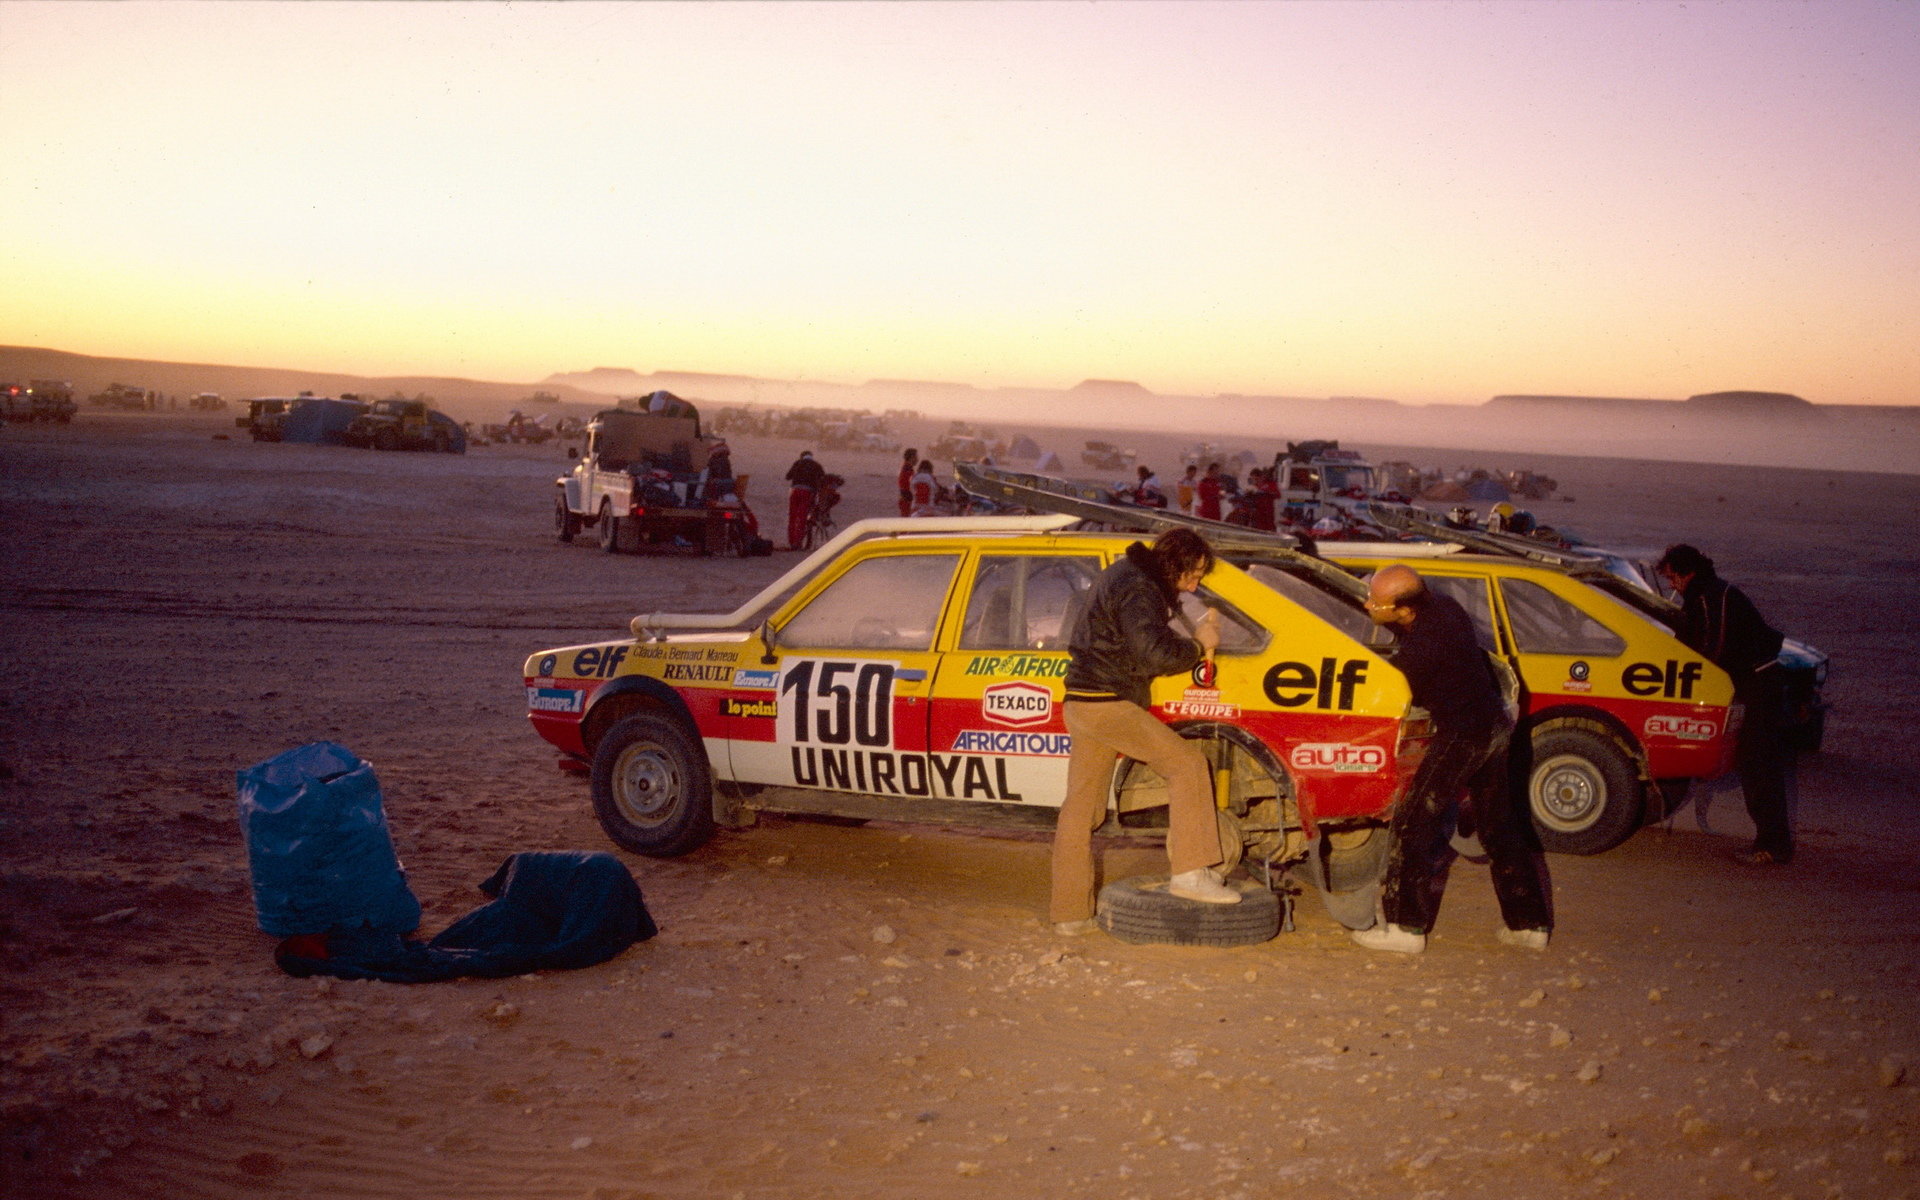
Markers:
(45, 400)
(396, 424)
(642, 483)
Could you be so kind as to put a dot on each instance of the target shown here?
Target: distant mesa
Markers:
(917, 385)
(1710, 404)
(1758, 404)
(1110, 387)
(626, 379)
(1588, 403)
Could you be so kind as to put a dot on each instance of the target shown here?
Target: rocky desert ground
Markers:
(875, 1011)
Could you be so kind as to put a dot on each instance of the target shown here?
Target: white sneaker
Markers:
(1388, 936)
(1075, 928)
(1530, 939)
(1202, 884)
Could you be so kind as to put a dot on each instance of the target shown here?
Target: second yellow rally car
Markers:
(912, 671)
(1621, 715)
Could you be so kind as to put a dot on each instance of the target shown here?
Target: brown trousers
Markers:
(1100, 731)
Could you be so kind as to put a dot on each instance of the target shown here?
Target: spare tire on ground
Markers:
(1140, 910)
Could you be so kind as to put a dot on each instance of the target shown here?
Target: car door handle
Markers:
(911, 674)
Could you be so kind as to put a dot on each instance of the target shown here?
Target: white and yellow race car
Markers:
(912, 671)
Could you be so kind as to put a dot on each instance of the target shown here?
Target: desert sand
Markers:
(875, 1011)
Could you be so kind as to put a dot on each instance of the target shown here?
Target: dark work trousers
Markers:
(1464, 762)
(1764, 758)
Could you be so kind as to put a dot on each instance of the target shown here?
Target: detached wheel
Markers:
(652, 790)
(1140, 910)
(1346, 867)
(609, 528)
(1583, 792)
(566, 522)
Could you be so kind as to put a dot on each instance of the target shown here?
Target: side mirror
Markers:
(572, 453)
(767, 657)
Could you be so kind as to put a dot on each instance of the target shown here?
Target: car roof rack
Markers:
(1045, 493)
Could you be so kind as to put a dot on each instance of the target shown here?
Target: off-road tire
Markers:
(1582, 791)
(566, 522)
(652, 789)
(386, 439)
(1140, 910)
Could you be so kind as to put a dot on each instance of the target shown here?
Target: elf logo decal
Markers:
(1204, 673)
(547, 664)
(598, 662)
(1690, 729)
(1343, 758)
(1292, 684)
(1017, 704)
(1675, 681)
(837, 702)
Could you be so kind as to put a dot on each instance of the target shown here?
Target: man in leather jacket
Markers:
(1120, 644)
(1720, 622)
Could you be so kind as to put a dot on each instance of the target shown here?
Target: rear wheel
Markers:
(566, 522)
(609, 528)
(386, 439)
(1582, 790)
(652, 791)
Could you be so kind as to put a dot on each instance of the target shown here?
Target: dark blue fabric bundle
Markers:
(552, 910)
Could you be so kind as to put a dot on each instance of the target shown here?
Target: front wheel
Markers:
(1582, 790)
(652, 791)
(566, 522)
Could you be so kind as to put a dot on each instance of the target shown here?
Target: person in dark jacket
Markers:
(804, 475)
(1719, 621)
(1120, 644)
(1452, 679)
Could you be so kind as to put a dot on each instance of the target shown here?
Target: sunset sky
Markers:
(1433, 202)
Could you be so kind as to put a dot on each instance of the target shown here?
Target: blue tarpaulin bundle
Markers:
(318, 847)
(551, 910)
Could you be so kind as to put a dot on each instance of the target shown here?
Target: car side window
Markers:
(1543, 623)
(1026, 602)
(1470, 592)
(1239, 633)
(889, 603)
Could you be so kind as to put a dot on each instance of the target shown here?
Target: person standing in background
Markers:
(1208, 492)
(1718, 620)
(804, 475)
(907, 462)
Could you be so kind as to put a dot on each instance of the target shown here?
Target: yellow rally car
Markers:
(1620, 714)
(912, 670)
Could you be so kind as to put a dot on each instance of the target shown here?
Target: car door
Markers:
(843, 706)
(997, 731)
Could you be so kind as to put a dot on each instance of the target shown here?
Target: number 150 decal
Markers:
(836, 702)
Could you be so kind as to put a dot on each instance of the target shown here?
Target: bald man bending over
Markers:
(1452, 679)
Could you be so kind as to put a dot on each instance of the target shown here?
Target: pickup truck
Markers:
(642, 482)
